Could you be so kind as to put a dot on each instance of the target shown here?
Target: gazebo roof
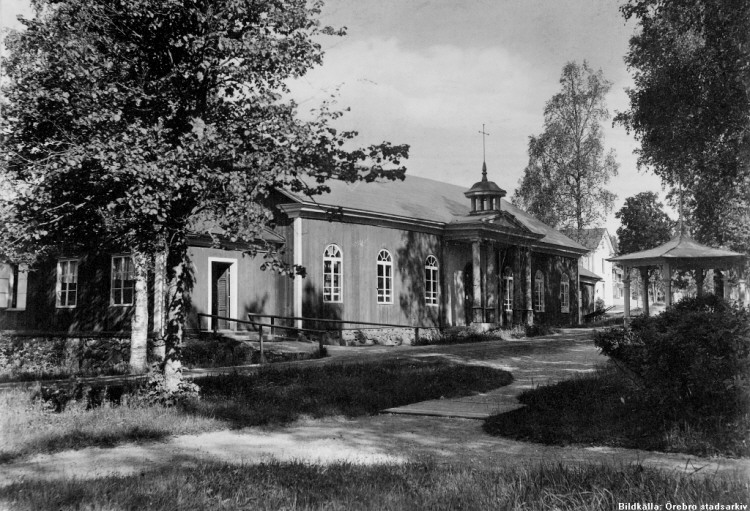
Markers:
(681, 251)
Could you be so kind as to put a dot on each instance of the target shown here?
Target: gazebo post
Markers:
(718, 283)
(667, 276)
(699, 276)
(644, 289)
(626, 291)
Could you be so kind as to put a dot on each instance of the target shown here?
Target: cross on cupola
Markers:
(485, 195)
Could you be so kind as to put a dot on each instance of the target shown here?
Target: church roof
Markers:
(422, 199)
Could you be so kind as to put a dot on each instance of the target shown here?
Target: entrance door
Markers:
(220, 292)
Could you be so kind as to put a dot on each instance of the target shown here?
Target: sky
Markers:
(430, 73)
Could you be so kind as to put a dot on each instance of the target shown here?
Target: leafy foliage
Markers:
(644, 223)
(125, 122)
(564, 182)
(157, 390)
(693, 359)
(128, 125)
(690, 108)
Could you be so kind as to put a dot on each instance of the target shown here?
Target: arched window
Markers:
(508, 289)
(539, 291)
(431, 280)
(564, 293)
(332, 274)
(385, 277)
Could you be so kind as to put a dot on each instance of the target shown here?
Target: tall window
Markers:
(13, 280)
(67, 283)
(123, 280)
(385, 277)
(508, 289)
(564, 293)
(431, 280)
(332, 264)
(539, 291)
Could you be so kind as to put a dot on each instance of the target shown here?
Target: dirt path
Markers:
(387, 438)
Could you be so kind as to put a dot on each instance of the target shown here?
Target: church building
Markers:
(418, 252)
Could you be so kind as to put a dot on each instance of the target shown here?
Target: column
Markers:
(529, 288)
(579, 295)
(297, 260)
(667, 276)
(626, 291)
(743, 292)
(718, 282)
(490, 285)
(726, 286)
(699, 277)
(644, 290)
(476, 265)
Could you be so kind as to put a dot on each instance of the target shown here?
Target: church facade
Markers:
(415, 252)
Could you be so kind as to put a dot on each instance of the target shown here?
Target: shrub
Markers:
(537, 330)
(156, 391)
(217, 353)
(599, 304)
(694, 357)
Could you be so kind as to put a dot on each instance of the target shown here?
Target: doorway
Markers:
(222, 297)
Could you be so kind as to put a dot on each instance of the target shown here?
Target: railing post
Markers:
(272, 330)
(260, 337)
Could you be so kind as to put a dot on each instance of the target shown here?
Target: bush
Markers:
(217, 353)
(537, 330)
(693, 358)
(599, 304)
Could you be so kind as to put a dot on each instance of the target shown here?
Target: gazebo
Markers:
(681, 253)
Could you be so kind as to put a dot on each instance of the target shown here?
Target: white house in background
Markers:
(601, 247)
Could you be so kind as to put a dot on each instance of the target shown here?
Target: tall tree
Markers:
(564, 182)
(690, 108)
(134, 122)
(644, 223)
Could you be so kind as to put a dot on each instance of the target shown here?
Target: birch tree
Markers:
(564, 183)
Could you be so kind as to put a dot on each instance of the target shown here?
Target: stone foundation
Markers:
(380, 336)
(63, 355)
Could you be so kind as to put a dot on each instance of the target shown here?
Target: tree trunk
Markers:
(178, 282)
(160, 299)
(139, 325)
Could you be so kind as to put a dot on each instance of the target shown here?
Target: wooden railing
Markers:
(214, 324)
(371, 325)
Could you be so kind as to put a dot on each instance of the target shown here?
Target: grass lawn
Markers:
(345, 487)
(273, 396)
(605, 408)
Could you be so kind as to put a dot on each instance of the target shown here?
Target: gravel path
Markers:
(424, 431)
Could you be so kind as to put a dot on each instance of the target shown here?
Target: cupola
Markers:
(485, 195)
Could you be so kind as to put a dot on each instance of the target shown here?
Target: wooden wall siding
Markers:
(359, 246)
(93, 312)
(553, 266)
(258, 291)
